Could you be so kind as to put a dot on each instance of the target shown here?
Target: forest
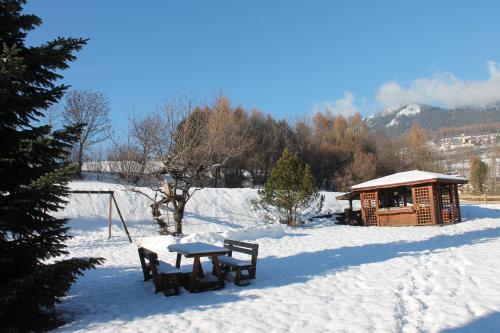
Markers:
(244, 144)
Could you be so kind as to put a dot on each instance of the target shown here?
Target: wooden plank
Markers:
(200, 269)
(194, 255)
(403, 218)
(218, 273)
(112, 198)
(178, 260)
(109, 216)
(376, 207)
(145, 268)
(194, 274)
(457, 203)
(243, 244)
(478, 198)
(241, 249)
(396, 210)
(439, 201)
(362, 203)
(121, 217)
(432, 203)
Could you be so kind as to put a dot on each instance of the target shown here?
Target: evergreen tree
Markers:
(33, 171)
(478, 174)
(290, 188)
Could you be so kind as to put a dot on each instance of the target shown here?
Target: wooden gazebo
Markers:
(408, 198)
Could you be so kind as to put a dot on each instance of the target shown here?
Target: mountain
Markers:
(398, 119)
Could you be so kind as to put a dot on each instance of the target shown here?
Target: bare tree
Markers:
(96, 163)
(200, 141)
(149, 136)
(189, 143)
(53, 116)
(417, 153)
(92, 110)
(123, 159)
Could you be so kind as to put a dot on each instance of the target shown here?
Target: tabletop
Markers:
(197, 248)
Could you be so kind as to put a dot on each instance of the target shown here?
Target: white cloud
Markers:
(344, 106)
(445, 89)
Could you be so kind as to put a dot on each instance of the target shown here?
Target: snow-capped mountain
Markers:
(398, 119)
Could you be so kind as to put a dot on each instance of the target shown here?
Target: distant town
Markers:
(480, 140)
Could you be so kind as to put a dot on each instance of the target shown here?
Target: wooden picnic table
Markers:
(197, 250)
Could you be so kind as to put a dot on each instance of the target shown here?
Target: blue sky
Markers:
(286, 58)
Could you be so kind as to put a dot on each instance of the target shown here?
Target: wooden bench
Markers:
(165, 276)
(230, 264)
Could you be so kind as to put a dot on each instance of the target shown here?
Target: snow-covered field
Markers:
(316, 278)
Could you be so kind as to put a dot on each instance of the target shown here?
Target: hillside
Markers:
(320, 277)
(398, 119)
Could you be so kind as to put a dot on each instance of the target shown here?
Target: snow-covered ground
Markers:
(317, 278)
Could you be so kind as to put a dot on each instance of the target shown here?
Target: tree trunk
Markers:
(216, 175)
(80, 161)
(178, 216)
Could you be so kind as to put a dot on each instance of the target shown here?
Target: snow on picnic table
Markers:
(317, 278)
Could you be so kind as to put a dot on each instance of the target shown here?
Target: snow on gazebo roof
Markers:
(407, 178)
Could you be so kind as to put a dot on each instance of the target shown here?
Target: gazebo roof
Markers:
(413, 177)
(348, 196)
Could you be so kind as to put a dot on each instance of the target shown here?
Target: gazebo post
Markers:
(433, 202)
(457, 202)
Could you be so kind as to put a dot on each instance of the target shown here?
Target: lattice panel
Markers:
(454, 204)
(369, 208)
(422, 203)
(446, 204)
(437, 202)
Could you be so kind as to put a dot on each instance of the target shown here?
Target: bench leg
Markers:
(168, 284)
(252, 272)
(239, 277)
(158, 286)
(172, 287)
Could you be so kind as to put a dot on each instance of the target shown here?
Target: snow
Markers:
(407, 177)
(196, 248)
(409, 110)
(402, 111)
(392, 109)
(316, 278)
(393, 122)
(234, 262)
(115, 166)
(165, 267)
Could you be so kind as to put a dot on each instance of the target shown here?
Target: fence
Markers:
(485, 198)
